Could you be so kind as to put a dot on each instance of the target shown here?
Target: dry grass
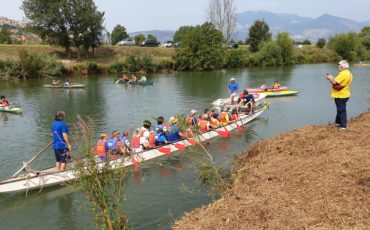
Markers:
(310, 178)
(104, 54)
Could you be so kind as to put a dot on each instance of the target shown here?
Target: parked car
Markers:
(127, 42)
(177, 44)
(149, 43)
(233, 46)
(167, 44)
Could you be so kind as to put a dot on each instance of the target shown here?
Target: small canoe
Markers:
(219, 104)
(73, 86)
(281, 93)
(255, 90)
(10, 109)
(49, 177)
(120, 81)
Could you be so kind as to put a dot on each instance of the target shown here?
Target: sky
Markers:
(142, 15)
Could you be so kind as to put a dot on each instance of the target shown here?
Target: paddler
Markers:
(276, 85)
(101, 146)
(192, 117)
(174, 133)
(61, 144)
(3, 101)
(233, 89)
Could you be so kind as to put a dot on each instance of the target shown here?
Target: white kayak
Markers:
(221, 103)
(73, 86)
(11, 109)
(50, 177)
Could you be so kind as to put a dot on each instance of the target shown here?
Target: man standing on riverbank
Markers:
(340, 91)
(233, 89)
(61, 144)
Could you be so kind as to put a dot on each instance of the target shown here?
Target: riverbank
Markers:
(311, 177)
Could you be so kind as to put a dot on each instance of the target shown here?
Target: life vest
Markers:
(123, 140)
(152, 139)
(136, 141)
(234, 117)
(157, 139)
(112, 146)
(223, 116)
(203, 125)
(100, 150)
(159, 127)
(214, 122)
(4, 103)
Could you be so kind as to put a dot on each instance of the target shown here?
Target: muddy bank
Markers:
(313, 177)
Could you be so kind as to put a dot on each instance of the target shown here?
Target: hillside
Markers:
(309, 178)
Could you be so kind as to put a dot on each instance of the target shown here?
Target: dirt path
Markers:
(314, 177)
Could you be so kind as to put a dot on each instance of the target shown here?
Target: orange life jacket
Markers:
(136, 141)
(223, 117)
(234, 117)
(100, 149)
(152, 139)
(203, 125)
(214, 122)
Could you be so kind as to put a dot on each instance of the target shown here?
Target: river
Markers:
(166, 187)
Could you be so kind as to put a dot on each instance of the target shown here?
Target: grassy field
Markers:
(103, 55)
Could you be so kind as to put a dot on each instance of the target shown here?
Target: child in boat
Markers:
(68, 83)
(3, 101)
(276, 85)
(125, 142)
(133, 78)
(56, 82)
(125, 78)
(101, 147)
(160, 137)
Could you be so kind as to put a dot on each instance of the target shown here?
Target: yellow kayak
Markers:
(281, 93)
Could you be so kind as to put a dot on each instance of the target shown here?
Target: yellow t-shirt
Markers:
(345, 79)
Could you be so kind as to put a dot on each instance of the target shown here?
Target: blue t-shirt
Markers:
(173, 134)
(57, 129)
(233, 87)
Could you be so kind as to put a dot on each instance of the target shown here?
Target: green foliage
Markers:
(118, 34)
(181, 32)
(5, 37)
(235, 58)
(258, 32)
(117, 67)
(139, 39)
(152, 37)
(286, 45)
(200, 49)
(270, 54)
(306, 42)
(148, 64)
(365, 37)
(321, 43)
(52, 67)
(311, 54)
(349, 46)
(165, 64)
(88, 67)
(133, 63)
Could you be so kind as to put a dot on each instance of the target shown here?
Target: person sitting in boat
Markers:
(204, 124)
(136, 139)
(247, 100)
(142, 79)
(3, 101)
(174, 133)
(263, 87)
(224, 117)
(276, 85)
(125, 142)
(233, 89)
(125, 78)
(68, 83)
(115, 146)
(161, 125)
(147, 139)
(101, 147)
(192, 117)
(133, 78)
(214, 121)
(55, 82)
(160, 137)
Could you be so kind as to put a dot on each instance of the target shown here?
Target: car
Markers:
(149, 43)
(167, 44)
(177, 44)
(233, 45)
(127, 42)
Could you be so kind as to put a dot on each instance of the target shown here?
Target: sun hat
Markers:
(172, 120)
(232, 79)
(193, 111)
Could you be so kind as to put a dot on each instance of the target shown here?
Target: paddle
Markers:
(134, 163)
(164, 150)
(191, 141)
(225, 133)
(32, 159)
(179, 146)
(240, 129)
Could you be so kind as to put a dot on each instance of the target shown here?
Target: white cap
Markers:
(193, 111)
(232, 79)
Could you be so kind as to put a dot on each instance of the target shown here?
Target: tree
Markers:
(365, 36)
(118, 34)
(64, 22)
(306, 42)
(5, 37)
(200, 49)
(286, 45)
(221, 14)
(348, 46)
(139, 38)
(152, 37)
(270, 54)
(321, 43)
(258, 33)
(181, 32)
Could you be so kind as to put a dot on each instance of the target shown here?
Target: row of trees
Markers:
(68, 23)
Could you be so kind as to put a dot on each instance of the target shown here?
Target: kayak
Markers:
(73, 86)
(281, 93)
(48, 177)
(120, 81)
(10, 109)
(219, 104)
(255, 90)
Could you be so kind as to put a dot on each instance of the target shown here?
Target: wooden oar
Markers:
(32, 159)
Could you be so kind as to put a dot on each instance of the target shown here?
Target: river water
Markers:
(164, 188)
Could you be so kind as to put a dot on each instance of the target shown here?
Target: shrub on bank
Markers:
(117, 67)
(88, 67)
(235, 58)
(310, 54)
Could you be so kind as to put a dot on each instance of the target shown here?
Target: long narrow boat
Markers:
(225, 102)
(281, 93)
(258, 90)
(11, 109)
(120, 81)
(73, 86)
(50, 177)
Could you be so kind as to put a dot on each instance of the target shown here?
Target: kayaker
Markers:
(142, 79)
(55, 82)
(136, 145)
(214, 121)
(101, 146)
(144, 140)
(61, 144)
(233, 89)
(204, 123)
(68, 83)
(174, 133)
(263, 87)
(125, 141)
(160, 125)
(276, 85)
(112, 147)
(133, 78)
(192, 117)
(124, 78)
(3, 101)
(341, 85)
(247, 100)
(160, 138)
(224, 117)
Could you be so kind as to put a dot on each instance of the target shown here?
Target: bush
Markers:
(133, 63)
(235, 58)
(312, 54)
(148, 64)
(52, 67)
(89, 67)
(321, 43)
(165, 64)
(117, 67)
(286, 46)
(349, 46)
(270, 54)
